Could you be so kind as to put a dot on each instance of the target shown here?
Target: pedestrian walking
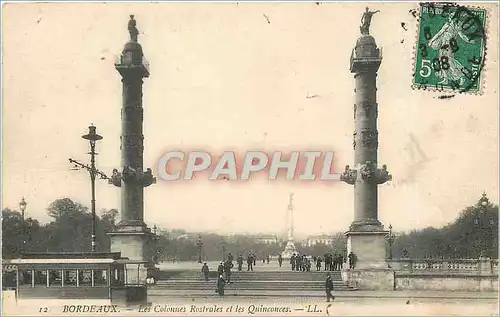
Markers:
(205, 270)
(221, 283)
(329, 287)
(250, 262)
(352, 260)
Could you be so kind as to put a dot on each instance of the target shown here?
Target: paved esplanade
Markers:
(259, 267)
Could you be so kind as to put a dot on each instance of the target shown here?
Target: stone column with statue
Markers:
(132, 237)
(366, 235)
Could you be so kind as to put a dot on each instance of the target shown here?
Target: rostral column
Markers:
(366, 235)
(132, 237)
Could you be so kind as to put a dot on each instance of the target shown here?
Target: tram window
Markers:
(100, 278)
(55, 278)
(117, 277)
(25, 277)
(114, 277)
(85, 277)
(70, 278)
(40, 278)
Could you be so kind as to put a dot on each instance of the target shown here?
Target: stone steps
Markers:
(273, 281)
(265, 276)
(176, 285)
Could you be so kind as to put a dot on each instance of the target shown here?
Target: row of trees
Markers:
(69, 230)
(473, 233)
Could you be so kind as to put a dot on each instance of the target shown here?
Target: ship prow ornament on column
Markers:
(132, 237)
(366, 237)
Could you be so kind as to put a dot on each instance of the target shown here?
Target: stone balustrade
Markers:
(482, 266)
(471, 275)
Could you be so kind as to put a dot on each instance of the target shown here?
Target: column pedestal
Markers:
(370, 279)
(289, 250)
(369, 248)
(133, 242)
(371, 270)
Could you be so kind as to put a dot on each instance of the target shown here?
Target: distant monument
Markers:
(366, 235)
(290, 246)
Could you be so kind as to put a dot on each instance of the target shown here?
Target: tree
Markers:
(17, 236)
(105, 224)
(12, 233)
(109, 218)
(72, 219)
(65, 207)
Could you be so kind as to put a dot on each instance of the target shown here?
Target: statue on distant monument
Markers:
(366, 20)
(132, 29)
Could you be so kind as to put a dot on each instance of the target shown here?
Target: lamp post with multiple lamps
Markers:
(390, 240)
(93, 137)
(22, 207)
(199, 245)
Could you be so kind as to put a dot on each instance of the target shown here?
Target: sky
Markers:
(240, 77)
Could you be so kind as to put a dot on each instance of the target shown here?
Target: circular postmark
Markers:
(451, 47)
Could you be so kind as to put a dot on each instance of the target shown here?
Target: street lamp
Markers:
(93, 137)
(156, 238)
(390, 240)
(22, 206)
(223, 247)
(199, 245)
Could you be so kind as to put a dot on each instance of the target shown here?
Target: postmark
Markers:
(451, 48)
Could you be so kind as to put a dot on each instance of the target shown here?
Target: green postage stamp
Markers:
(451, 48)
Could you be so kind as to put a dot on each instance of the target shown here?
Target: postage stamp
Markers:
(451, 47)
(199, 159)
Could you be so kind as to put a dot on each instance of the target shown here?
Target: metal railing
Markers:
(122, 60)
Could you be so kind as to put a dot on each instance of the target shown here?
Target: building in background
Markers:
(267, 239)
(321, 239)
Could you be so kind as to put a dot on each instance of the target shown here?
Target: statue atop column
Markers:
(132, 29)
(366, 20)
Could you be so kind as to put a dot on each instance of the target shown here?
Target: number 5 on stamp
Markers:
(451, 48)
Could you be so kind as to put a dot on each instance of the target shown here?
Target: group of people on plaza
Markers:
(224, 269)
(332, 262)
(298, 262)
